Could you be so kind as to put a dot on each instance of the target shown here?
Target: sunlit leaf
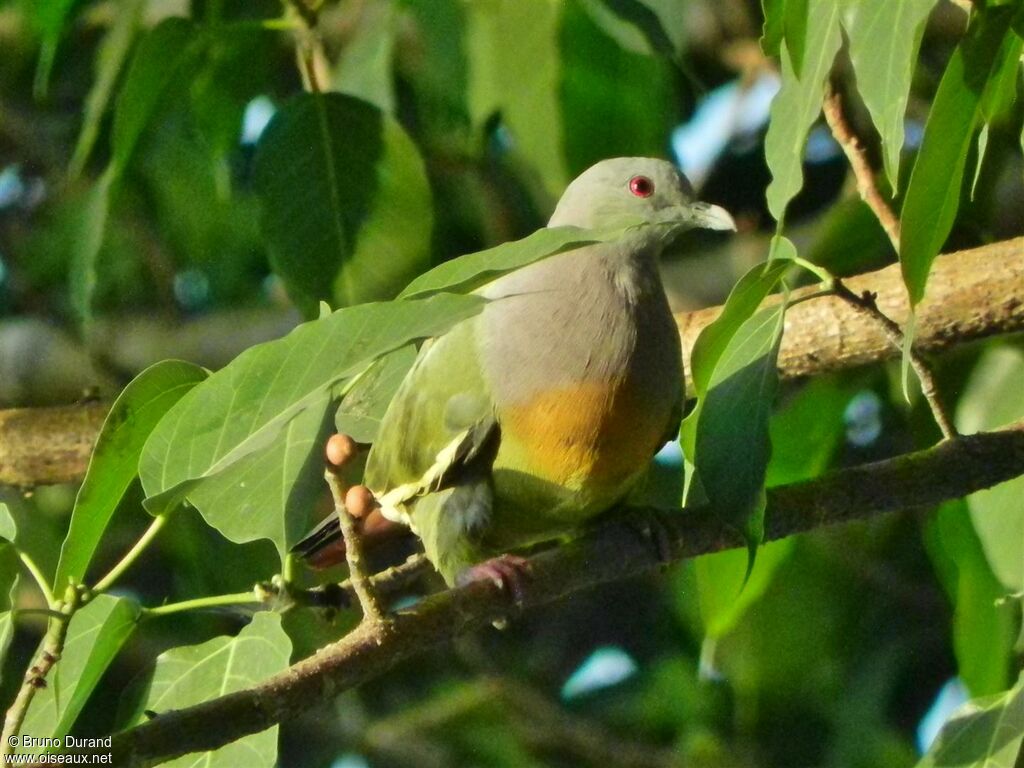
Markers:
(466, 273)
(271, 492)
(94, 637)
(346, 207)
(796, 21)
(798, 104)
(992, 398)
(520, 82)
(115, 458)
(983, 625)
(884, 41)
(248, 404)
(984, 733)
(731, 442)
(8, 528)
(641, 26)
(933, 193)
(188, 675)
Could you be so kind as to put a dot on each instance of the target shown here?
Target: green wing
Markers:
(441, 418)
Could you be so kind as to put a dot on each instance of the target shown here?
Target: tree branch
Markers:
(971, 295)
(612, 551)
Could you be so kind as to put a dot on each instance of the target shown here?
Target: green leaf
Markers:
(247, 405)
(364, 69)
(983, 626)
(625, 107)
(725, 593)
(110, 58)
(933, 193)
(189, 675)
(745, 297)
(10, 566)
(730, 437)
(115, 458)
(364, 404)
(520, 81)
(992, 398)
(641, 26)
(49, 19)
(346, 206)
(884, 40)
(469, 272)
(8, 528)
(798, 104)
(159, 63)
(984, 733)
(271, 493)
(774, 12)
(797, 13)
(95, 635)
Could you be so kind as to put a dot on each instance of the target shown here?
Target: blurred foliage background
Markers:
(159, 232)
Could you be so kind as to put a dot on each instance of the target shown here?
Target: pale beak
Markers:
(707, 216)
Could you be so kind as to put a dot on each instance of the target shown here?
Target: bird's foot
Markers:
(654, 526)
(508, 572)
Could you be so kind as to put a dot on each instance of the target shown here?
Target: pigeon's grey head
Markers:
(634, 190)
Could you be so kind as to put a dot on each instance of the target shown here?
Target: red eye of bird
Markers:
(641, 186)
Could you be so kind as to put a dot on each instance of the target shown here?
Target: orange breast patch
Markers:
(593, 433)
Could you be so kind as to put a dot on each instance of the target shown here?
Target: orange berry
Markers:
(359, 501)
(340, 449)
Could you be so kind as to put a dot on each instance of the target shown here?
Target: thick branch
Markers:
(971, 295)
(613, 551)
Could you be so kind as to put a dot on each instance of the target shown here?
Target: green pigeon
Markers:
(523, 422)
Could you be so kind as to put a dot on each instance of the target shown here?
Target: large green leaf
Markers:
(95, 635)
(271, 492)
(983, 624)
(774, 30)
(364, 404)
(248, 404)
(731, 441)
(933, 193)
(993, 398)
(115, 458)
(192, 674)
(984, 733)
(884, 41)
(345, 202)
(468, 272)
(798, 104)
(519, 80)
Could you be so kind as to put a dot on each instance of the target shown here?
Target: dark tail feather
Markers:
(323, 546)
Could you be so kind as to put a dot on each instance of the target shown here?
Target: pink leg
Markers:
(507, 572)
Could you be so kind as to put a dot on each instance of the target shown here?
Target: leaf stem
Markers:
(213, 601)
(132, 555)
(41, 581)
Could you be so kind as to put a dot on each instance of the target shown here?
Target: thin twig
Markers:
(50, 650)
(867, 186)
(866, 304)
(369, 601)
(851, 145)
